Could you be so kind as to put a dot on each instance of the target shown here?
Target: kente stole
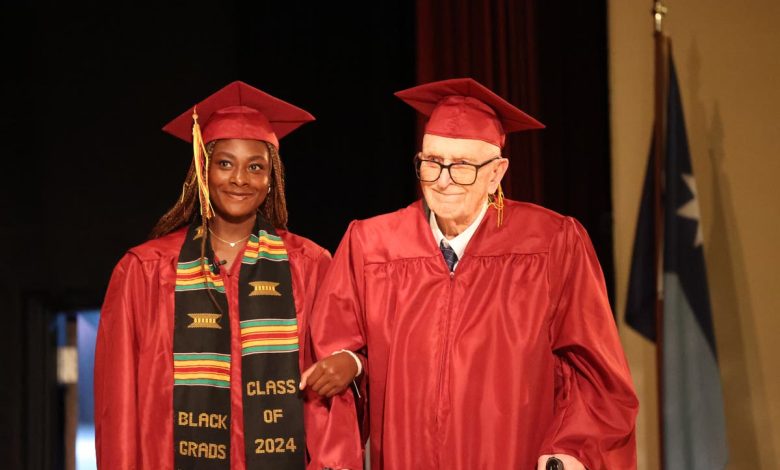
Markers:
(273, 408)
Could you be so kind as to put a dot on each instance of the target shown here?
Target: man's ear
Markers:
(496, 174)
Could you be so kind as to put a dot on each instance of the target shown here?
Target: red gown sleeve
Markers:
(336, 324)
(321, 432)
(116, 413)
(338, 321)
(595, 403)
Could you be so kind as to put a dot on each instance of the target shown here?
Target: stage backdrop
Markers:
(87, 170)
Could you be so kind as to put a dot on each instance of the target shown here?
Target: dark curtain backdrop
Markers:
(87, 170)
(86, 89)
(550, 59)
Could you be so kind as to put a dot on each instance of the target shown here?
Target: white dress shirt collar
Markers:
(458, 243)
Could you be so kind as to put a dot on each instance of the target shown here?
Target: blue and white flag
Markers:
(694, 428)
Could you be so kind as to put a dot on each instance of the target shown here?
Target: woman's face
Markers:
(239, 178)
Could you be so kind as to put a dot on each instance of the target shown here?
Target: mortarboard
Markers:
(462, 108)
(237, 111)
(240, 111)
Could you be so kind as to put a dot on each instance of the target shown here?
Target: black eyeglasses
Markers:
(464, 174)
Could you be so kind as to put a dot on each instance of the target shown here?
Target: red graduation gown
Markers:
(134, 359)
(514, 356)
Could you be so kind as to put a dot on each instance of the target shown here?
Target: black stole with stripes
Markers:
(273, 408)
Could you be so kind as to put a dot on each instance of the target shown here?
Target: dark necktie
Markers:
(449, 255)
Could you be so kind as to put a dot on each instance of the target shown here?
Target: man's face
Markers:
(455, 203)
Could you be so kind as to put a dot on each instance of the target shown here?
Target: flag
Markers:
(694, 430)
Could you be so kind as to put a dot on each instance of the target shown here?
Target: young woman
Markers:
(204, 329)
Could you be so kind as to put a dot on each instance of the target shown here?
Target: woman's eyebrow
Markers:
(223, 153)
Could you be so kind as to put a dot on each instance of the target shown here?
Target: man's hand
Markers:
(331, 375)
(569, 462)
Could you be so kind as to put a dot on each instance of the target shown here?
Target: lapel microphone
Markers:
(218, 264)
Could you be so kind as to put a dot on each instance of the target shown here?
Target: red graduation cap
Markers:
(462, 108)
(237, 111)
(240, 111)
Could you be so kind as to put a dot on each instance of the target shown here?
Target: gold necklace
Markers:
(232, 244)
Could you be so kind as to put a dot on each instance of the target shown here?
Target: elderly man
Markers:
(483, 324)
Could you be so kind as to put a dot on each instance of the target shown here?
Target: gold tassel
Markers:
(497, 201)
(201, 159)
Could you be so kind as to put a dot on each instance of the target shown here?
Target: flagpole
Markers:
(659, 146)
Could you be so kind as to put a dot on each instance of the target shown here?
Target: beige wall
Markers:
(727, 55)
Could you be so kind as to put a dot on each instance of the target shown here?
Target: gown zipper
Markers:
(444, 355)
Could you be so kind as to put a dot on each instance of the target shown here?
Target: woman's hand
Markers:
(331, 375)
